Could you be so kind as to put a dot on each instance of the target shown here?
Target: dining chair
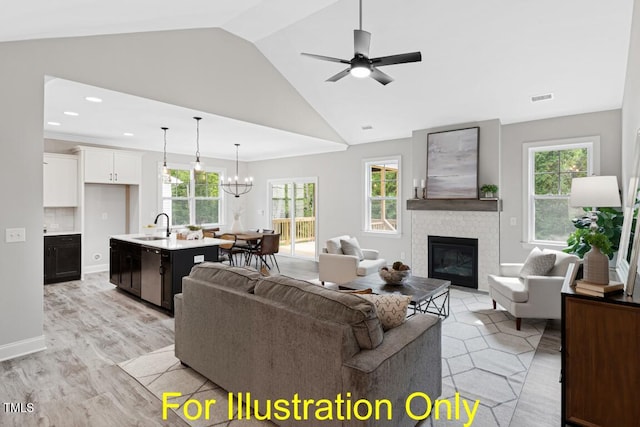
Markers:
(230, 250)
(268, 246)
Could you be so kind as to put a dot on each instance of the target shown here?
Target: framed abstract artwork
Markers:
(452, 164)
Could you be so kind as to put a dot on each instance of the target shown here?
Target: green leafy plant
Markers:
(489, 188)
(609, 221)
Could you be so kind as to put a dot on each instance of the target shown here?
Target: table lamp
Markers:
(595, 191)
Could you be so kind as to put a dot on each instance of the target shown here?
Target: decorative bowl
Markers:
(394, 277)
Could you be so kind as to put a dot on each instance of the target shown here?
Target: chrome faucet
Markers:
(168, 222)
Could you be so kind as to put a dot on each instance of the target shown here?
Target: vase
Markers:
(596, 267)
(236, 227)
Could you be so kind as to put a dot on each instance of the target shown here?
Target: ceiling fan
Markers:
(361, 65)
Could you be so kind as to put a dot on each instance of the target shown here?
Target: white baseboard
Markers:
(22, 348)
(95, 268)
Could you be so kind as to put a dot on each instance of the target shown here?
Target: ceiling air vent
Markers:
(544, 97)
(367, 127)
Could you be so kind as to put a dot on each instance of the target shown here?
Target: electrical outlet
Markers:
(198, 259)
(105, 215)
(14, 235)
(402, 255)
(513, 220)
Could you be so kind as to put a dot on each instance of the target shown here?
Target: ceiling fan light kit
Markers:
(361, 65)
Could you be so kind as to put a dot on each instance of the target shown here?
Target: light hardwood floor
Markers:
(90, 327)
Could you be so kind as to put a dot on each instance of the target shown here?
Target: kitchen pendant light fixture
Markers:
(233, 186)
(198, 165)
(165, 169)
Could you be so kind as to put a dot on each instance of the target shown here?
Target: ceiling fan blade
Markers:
(397, 59)
(381, 77)
(361, 42)
(338, 76)
(326, 58)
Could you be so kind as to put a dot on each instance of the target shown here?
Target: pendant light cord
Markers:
(360, 15)
(197, 136)
(237, 170)
(165, 145)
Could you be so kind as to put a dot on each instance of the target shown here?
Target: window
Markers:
(382, 195)
(551, 169)
(192, 197)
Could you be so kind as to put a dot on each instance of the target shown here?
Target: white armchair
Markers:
(337, 267)
(533, 296)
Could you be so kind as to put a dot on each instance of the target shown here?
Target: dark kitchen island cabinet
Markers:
(153, 269)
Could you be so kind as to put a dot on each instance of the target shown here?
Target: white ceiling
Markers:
(481, 59)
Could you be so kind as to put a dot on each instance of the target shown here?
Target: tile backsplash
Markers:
(59, 219)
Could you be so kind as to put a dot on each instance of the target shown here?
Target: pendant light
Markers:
(198, 165)
(165, 169)
(233, 186)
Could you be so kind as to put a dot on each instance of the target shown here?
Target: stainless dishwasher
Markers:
(151, 280)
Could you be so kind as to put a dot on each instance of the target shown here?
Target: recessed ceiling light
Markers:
(127, 134)
(93, 99)
(53, 123)
(71, 113)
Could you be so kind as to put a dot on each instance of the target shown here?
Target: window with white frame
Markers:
(192, 197)
(382, 189)
(551, 167)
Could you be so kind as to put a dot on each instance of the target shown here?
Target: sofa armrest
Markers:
(337, 268)
(409, 359)
(510, 269)
(370, 253)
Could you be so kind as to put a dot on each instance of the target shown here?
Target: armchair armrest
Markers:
(370, 253)
(510, 269)
(337, 268)
(545, 295)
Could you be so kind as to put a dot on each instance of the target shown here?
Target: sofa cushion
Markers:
(390, 308)
(238, 278)
(351, 247)
(370, 266)
(326, 304)
(563, 260)
(537, 263)
(333, 245)
(511, 287)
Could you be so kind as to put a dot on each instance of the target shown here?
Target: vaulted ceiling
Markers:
(480, 59)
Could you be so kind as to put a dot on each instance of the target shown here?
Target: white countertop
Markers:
(170, 243)
(60, 233)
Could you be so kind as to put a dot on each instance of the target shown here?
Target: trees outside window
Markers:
(382, 195)
(192, 197)
(551, 169)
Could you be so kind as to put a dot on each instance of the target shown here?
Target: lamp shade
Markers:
(595, 191)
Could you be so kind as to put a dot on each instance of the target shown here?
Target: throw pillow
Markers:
(333, 245)
(391, 308)
(351, 247)
(537, 263)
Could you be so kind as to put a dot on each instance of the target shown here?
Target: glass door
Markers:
(293, 215)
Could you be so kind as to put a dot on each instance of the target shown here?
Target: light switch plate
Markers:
(14, 235)
(198, 259)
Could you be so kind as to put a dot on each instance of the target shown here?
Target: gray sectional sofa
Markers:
(276, 337)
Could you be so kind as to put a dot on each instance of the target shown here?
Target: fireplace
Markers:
(454, 259)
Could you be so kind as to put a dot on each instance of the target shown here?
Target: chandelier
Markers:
(235, 187)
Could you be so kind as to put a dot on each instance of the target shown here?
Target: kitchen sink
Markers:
(147, 238)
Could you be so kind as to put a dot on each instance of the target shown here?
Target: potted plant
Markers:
(489, 191)
(609, 222)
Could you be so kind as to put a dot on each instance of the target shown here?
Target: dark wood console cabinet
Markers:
(600, 354)
(62, 258)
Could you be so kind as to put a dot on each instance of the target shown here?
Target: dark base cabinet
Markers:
(62, 258)
(125, 266)
(130, 269)
(600, 353)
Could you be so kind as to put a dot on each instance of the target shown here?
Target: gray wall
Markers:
(631, 100)
(207, 70)
(340, 192)
(606, 124)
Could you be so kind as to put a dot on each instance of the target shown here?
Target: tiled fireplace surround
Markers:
(484, 226)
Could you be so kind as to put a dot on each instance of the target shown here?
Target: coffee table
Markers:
(427, 295)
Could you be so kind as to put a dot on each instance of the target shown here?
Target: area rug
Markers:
(484, 358)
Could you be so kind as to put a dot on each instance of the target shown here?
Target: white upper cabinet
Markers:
(111, 167)
(60, 180)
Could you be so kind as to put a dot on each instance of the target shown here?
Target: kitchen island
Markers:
(152, 267)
